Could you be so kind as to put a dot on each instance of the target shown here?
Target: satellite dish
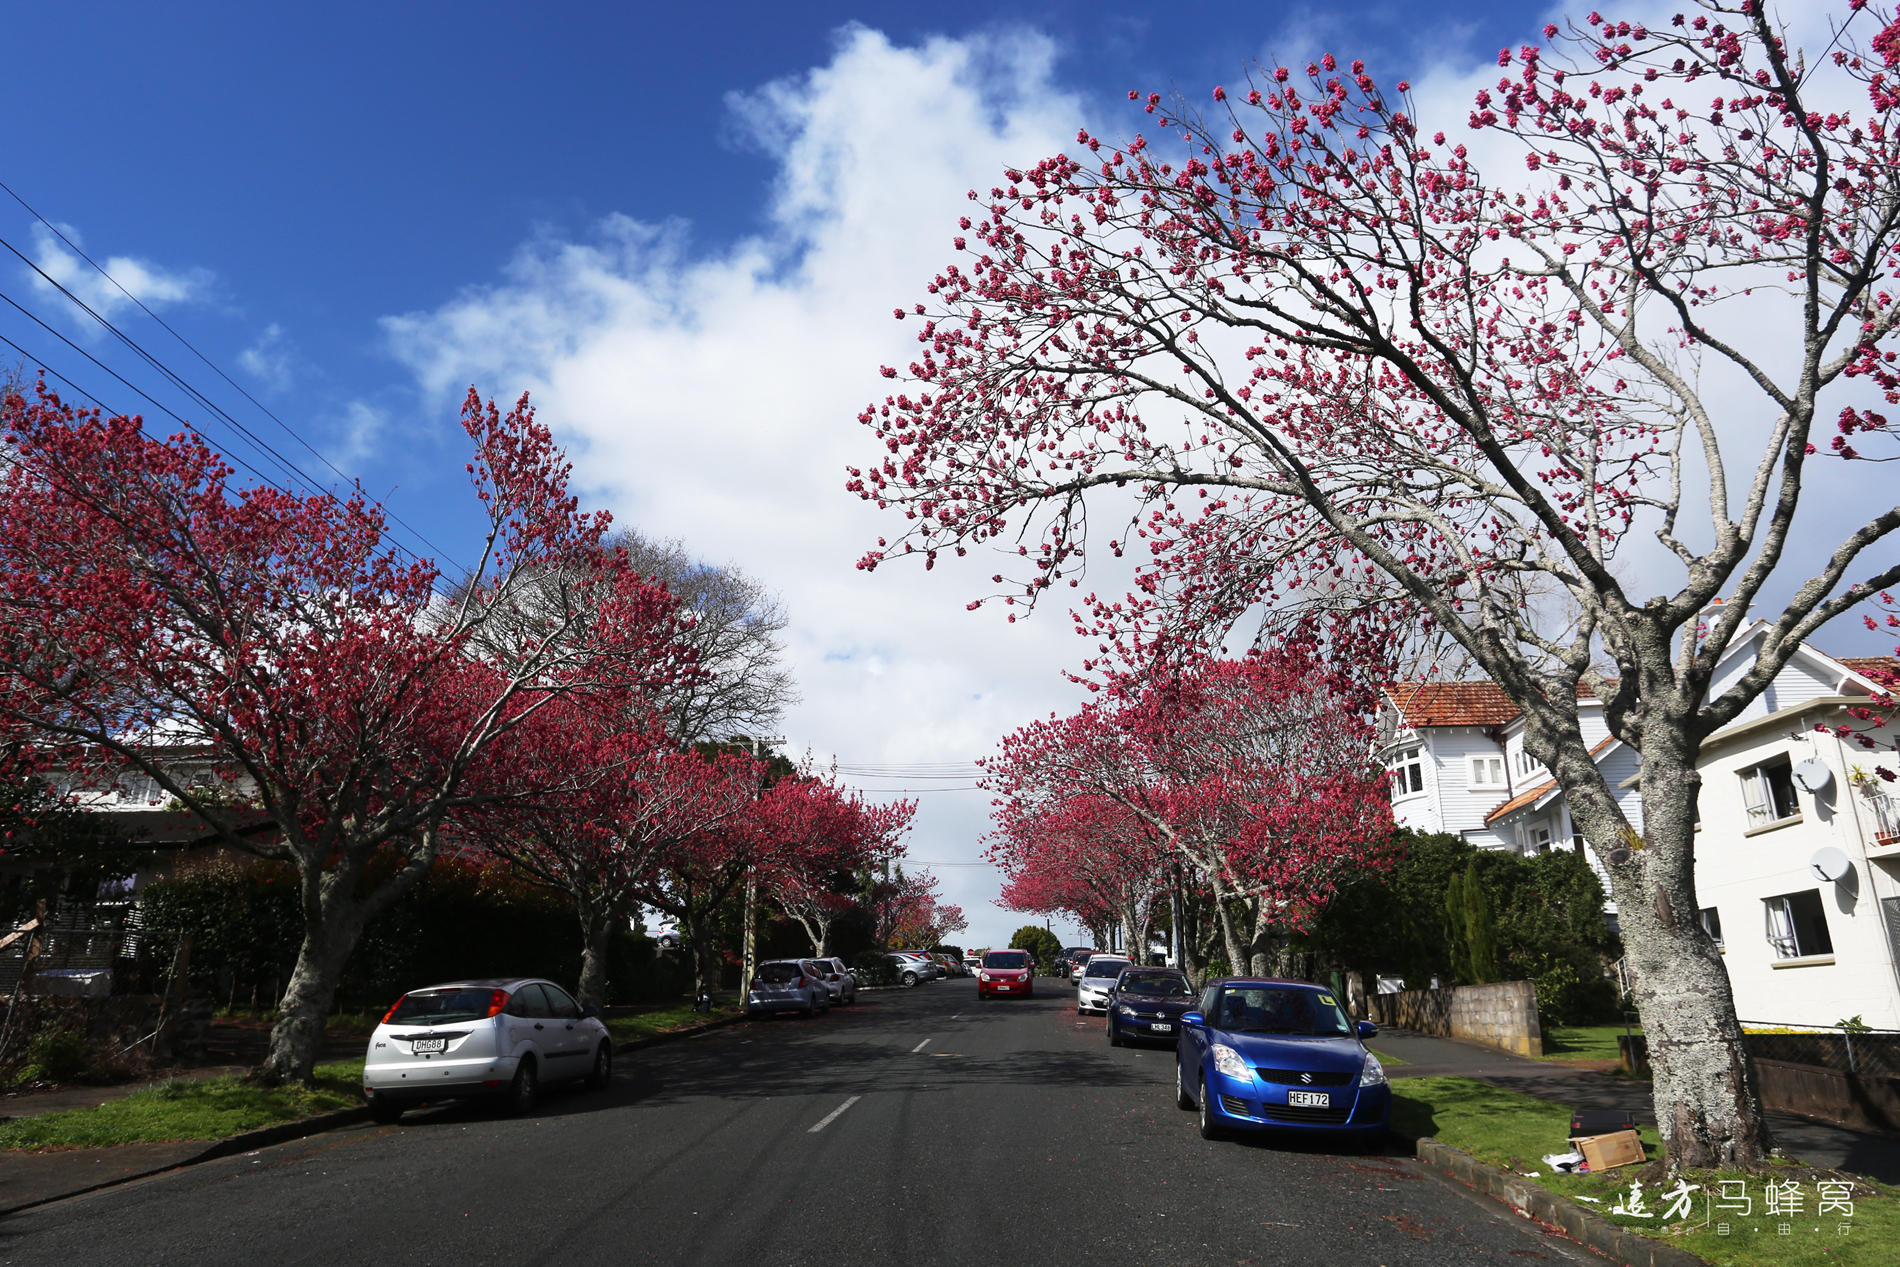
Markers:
(1813, 774)
(1829, 863)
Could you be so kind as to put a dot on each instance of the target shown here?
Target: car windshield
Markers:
(442, 1007)
(1006, 959)
(1106, 968)
(1256, 1009)
(1161, 984)
(779, 973)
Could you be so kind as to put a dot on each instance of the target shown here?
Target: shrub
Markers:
(1042, 946)
(874, 967)
(54, 1056)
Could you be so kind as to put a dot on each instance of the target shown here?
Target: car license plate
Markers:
(1161, 1027)
(1309, 1099)
(1003, 987)
(421, 1046)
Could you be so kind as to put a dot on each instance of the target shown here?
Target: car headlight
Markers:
(982, 976)
(1373, 1075)
(1125, 1010)
(1228, 1061)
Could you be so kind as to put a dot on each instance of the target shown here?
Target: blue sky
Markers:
(683, 226)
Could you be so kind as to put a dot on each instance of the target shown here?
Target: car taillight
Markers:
(392, 1009)
(497, 1000)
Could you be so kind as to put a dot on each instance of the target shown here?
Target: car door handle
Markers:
(538, 1025)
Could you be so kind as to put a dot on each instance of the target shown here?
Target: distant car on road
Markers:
(1146, 1005)
(1076, 958)
(497, 1037)
(839, 979)
(1010, 972)
(1259, 1054)
(1098, 978)
(788, 985)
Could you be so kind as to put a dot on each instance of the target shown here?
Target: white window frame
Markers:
(1407, 767)
(1758, 794)
(1476, 769)
(1711, 920)
(1539, 838)
(1784, 933)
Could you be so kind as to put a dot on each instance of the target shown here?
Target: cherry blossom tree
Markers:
(1084, 855)
(1337, 361)
(607, 801)
(822, 834)
(1255, 772)
(146, 601)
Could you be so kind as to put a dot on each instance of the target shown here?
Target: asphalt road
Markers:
(918, 1128)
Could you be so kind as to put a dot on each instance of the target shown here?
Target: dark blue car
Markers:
(1279, 1055)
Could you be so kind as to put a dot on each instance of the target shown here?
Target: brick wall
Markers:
(1503, 1015)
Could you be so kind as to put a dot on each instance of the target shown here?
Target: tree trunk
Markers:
(297, 1035)
(1708, 1114)
(597, 932)
(708, 964)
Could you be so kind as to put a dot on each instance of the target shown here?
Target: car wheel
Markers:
(908, 980)
(1114, 1034)
(1181, 1097)
(851, 999)
(1210, 1129)
(385, 1111)
(603, 1071)
(525, 1091)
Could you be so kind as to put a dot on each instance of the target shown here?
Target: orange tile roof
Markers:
(1865, 663)
(1526, 798)
(1451, 703)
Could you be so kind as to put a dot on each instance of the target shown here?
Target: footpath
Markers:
(1586, 1085)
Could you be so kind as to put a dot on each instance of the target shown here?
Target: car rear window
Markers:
(442, 1007)
(779, 973)
(1006, 959)
(1106, 968)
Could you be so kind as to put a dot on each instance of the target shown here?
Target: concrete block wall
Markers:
(1502, 1015)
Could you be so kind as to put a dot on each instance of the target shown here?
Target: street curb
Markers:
(674, 1035)
(263, 1137)
(1586, 1227)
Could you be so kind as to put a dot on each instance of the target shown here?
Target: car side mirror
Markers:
(590, 1014)
(1193, 1018)
(1367, 1029)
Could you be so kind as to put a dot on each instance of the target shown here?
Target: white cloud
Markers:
(714, 396)
(270, 359)
(358, 433)
(130, 278)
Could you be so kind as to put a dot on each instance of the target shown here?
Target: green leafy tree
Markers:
(1041, 944)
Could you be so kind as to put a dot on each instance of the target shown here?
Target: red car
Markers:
(1006, 972)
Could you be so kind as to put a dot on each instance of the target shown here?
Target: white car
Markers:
(1097, 979)
(501, 1038)
(840, 980)
(914, 967)
(789, 985)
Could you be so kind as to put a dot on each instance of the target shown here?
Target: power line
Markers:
(192, 392)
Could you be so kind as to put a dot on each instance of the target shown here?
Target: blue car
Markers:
(1279, 1055)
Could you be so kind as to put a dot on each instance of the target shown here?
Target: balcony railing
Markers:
(1886, 819)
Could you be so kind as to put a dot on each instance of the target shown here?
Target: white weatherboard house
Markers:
(1798, 852)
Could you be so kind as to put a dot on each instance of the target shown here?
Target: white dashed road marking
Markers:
(832, 1116)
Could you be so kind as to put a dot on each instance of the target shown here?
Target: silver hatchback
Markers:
(505, 1038)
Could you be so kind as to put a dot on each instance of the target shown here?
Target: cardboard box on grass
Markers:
(1607, 1152)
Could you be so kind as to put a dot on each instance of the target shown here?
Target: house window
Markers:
(1525, 764)
(1408, 773)
(1768, 791)
(137, 788)
(1488, 772)
(1797, 926)
(1540, 840)
(1711, 923)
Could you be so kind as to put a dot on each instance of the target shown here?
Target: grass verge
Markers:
(184, 1108)
(1513, 1132)
(1582, 1042)
(626, 1029)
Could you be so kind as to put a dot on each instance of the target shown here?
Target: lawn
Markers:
(628, 1028)
(1583, 1042)
(1513, 1132)
(184, 1108)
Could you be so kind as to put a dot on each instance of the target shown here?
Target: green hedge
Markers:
(462, 920)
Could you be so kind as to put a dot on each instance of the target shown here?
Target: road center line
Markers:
(832, 1116)
(919, 1047)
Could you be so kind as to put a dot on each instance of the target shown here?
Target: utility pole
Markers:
(751, 954)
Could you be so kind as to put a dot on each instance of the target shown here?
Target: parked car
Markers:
(1146, 1005)
(842, 982)
(1098, 978)
(951, 965)
(1010, 972)
(498, 1037)
(913, 968)
(788, 985)
(1279, 1055)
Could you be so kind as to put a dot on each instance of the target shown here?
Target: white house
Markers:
(1798, 852)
